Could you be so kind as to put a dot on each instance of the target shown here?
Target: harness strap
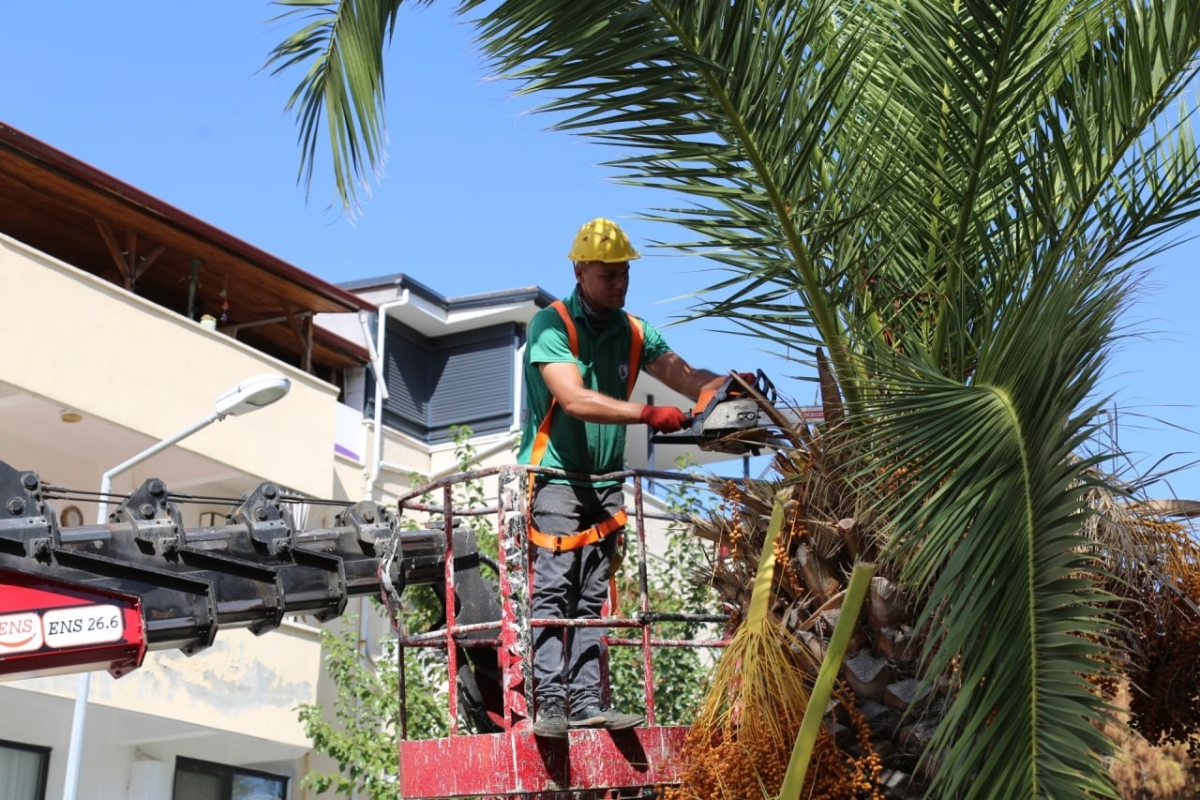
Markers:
(542, 440)
(636, 339)
(576, 540)
(543, 433)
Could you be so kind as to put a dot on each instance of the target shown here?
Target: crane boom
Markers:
(101, 596)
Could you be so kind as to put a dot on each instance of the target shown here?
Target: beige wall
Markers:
(244, 684)
(85, 343)
(139, 373)
(405, 458)
(233, 703)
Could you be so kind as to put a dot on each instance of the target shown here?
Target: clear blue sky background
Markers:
(477, 196)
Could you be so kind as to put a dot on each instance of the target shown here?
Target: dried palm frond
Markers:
(739, 741)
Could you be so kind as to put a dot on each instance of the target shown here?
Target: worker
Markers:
(581, 360)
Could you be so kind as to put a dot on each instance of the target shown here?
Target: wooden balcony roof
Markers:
(84, 217)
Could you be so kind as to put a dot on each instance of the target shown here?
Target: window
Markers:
(461, 379)
(23, 771)
(201, 780)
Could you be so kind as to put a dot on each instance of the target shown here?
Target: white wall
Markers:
(117, 357)
(232, 704)
(139, 373)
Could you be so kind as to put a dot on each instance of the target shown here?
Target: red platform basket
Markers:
(513, 763)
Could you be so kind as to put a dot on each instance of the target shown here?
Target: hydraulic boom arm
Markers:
(100, 596)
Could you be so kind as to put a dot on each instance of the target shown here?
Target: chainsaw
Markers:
(737, 418)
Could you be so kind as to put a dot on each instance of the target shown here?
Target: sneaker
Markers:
(551, 721)
(607, 718)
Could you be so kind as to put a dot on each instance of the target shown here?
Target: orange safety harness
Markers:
(617, 521)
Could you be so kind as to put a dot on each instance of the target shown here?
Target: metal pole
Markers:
(79, 718)
(75, 749)
(106, 478)
(651, 463)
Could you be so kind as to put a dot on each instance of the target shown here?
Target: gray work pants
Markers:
(572, 584)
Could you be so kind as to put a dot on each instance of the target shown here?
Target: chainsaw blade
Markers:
(737, 442)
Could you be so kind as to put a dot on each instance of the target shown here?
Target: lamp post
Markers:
(249, 395)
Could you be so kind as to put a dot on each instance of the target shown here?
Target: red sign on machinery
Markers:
(48, 627)
(57, 628)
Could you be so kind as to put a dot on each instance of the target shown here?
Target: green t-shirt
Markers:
(576, 446)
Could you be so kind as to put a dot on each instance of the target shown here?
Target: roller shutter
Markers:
(437, 383)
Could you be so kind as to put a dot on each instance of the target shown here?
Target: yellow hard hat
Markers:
(602, 240)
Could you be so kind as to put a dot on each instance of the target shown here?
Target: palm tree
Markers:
(952, 200)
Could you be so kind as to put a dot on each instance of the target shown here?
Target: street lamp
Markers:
(249, 395)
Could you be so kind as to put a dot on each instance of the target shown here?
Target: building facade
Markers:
(127, 319)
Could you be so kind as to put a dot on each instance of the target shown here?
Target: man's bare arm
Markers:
(566, 384)
(677, 374)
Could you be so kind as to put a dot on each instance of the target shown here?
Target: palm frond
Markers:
(728, 103)
(341, 46)
(987, 527)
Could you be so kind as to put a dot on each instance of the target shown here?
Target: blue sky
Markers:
(477, 196)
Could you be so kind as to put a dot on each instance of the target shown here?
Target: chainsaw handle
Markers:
(761, 383)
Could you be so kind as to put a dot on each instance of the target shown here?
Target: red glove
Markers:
(664, 419)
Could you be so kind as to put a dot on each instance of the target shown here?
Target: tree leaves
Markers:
(947, 198)
(341, 45)
(985, 527)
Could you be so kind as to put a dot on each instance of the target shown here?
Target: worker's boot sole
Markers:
(593, 721)
(618, 722)
(606, 718)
